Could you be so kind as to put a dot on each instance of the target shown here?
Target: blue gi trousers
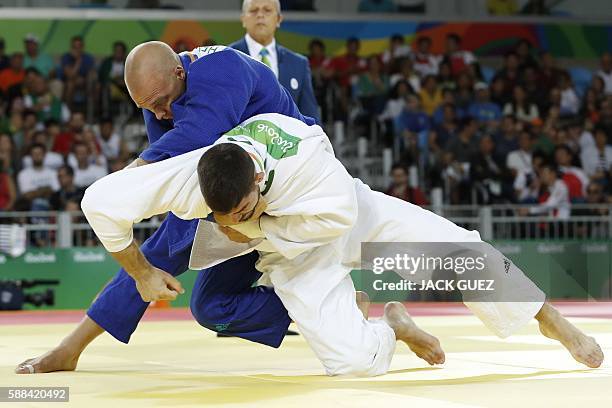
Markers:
(223, 298)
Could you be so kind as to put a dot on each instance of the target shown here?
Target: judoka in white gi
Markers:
(308, 217)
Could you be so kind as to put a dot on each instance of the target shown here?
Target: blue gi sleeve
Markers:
(219, 87)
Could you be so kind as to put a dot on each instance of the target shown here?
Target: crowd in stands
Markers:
(49, 153)
(532, 132)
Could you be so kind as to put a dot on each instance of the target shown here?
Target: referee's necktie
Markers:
(264, 57)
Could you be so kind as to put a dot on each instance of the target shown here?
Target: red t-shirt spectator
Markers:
(63, 143)
(410, 194)
(345, 66)
(10, 77)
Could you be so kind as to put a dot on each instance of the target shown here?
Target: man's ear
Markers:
(280, 20)
(179, 72)
(259, 177)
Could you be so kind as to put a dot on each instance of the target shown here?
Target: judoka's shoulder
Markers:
(216, 57)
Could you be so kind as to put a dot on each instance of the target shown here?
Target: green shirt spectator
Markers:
(36, 59)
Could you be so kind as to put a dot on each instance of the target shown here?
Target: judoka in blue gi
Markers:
(189, 101)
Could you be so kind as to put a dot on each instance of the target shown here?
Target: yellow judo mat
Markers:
(180, 364)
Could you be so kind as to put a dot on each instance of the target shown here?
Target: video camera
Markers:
(13, 297)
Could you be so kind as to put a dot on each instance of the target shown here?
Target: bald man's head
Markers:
(155, 77)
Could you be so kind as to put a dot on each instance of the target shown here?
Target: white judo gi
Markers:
(309, 238)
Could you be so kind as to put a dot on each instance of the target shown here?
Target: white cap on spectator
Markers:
(31, 37)
(479, 86)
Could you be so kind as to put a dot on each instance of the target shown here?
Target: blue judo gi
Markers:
(223, 89)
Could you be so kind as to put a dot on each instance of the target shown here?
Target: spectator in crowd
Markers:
(342, 68)
(444, 131)
(465, 146)
(549, 73)
(67, 192)
(8, 193)
(260, 19)
(76, 69)
(63, 142)
(52, 159)
(524, 53)
(520, 160)
(520, 107)
(498, 92)
(23, 135)
(425, 63)
(445, 77)
(448, 99)
(527, 182)
(88, 138)
(581, 139)
(455, 177)
(85, 173)
(394, 107)
(605, 72)
(509, 73)
(34, 58)
(506, 140)
(597, 160)
(36, 183)
(488, 173)
(318, 60)
(464, 92)
(110, 78)
(406, 73)
(575, 179)
(555, 202)
(400, 187)
(605, 116)
(4, 60)
(8, 155)
(398, 49)
(569, 103)
(482, 109)
(397, 100)
(460, 60)
(430, 94)
(591, 104)
(534, 91)
(372, 88)
(14, 74)
(39, 99)
(376, 6)
(111, 144)
(4, 120)
(413, 119)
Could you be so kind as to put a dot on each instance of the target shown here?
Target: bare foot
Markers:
(424, 345)
(58, 359)
(583, 348)
(363, 303)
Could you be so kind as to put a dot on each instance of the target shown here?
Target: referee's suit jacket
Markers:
(294, 75)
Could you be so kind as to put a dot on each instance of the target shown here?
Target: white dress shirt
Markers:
(255, 48)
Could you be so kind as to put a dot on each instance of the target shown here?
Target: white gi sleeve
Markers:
(116, 202)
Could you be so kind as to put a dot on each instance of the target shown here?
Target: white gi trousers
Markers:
(319, 295)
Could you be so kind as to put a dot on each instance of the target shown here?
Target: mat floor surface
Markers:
(173, 362)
